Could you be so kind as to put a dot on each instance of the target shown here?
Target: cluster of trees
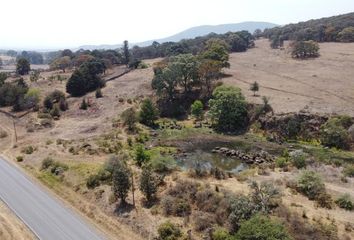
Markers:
(181, 79)
(305, 49)
(331, 29)
(236, 41)
(31, 56)
(86, 78)
(17, 94)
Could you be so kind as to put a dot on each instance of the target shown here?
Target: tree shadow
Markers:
(123, 208)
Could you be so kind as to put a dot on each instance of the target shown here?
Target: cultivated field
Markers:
(323, 85)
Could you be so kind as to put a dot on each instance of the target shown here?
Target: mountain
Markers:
(195, 32)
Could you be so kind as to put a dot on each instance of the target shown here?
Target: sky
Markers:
(51, 24)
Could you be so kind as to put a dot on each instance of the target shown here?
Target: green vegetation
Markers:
(130, 118)
(169, 231)
(197, 109)
(228, 109)
(98, 93)
(345, 202)
(254, 88)
(23, 66)
(262, 228)
(83, 105)
(334, 133)
(141, 155)
(305, 49)
(148, 113)
(148, 184)
(121, 180)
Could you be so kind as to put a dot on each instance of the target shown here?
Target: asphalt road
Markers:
(48, 218)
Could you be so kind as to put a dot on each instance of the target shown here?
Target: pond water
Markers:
(207, 160)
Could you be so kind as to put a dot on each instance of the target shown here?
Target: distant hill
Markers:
(326, 29)
(195, 32)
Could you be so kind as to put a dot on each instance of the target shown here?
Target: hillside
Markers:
(322, 30)
(195, 32)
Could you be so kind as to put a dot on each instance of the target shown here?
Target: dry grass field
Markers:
(323, 85)
(11, 228)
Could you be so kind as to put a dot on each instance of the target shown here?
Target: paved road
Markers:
(45, 216)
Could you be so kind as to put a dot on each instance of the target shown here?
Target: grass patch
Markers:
(84, 170)
(49, 179)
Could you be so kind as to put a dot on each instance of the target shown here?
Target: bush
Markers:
(349, 171)
(228, 109)
(163, 164)
(262, 228)
(345, 202)
(99, 93)
(197, 109)
(310, 184)
(242, 208)
(19, 158)
(129, 118)
(148, 184)
(334, 134)
(3, 134)
(305, 49)
(298, 159)
(46, 163)
(28, 150)
(148, 113)
(168, 231)
(324, 200)
(92, 181)
(281, 162)
(203, 221)
(221, 234)
(55, 112)
(141, 155)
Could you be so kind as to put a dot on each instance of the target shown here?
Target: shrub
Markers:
(121, 180)
(242, 208)
(46, 163)
(281, 162)
(83, 105)
(334, 134)
(345, 202)
(169, 231)
(167, 205)
(28, 150)
(92, 181)
(163, 164)
(203, 221)
(99, 93)
(324, 200)
(310, 184)
(349, 171)
(228, 109)
(148, 113)
(19, 158)
(264, 196)
(55, 112)
(141, 155)
(305, 49)
(182, 207)
(262, 228)
(197, 109)
(129, 118)
(221, 234)
(298, 159)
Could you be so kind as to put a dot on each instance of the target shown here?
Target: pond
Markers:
(208, 160)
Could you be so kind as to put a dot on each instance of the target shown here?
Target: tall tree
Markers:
(148, 184)
(121, 181)
(23, 66)
(126, 52)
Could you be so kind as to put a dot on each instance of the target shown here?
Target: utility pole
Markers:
(13, 120)
(133, 189)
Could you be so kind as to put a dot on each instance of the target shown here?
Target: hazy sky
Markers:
(45, 24)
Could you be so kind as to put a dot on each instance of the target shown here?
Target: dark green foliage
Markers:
(23, 66)
(83, 105)
(13, 94)
(345, 202)
(228, 109)
(55, 112)
(93, 181)
(320, 30)
(262, 228)
(98, 93)
(55, 97)
(346, 35)
(3, 77)
(242, 208)
(217, 50)
(148, 113)
(305, 49)
(121, 181)
(141, 155)
(168, 231)
(222, 234)
(349, 170)
(126, 53)
(254, 88)
(130, 118)
(197, 109)
(334, 133)
(148, 184)
(31, 57)
(86, 78)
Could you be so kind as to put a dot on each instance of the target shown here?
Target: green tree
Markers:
(197, 109)
(346, 35)
(126, 52)
(254, 88)
(217, 50)
(141, 155)
(310, 184)
(148, 113)
(3, 77)
(121, 181)
(23, 66)
(166, 81)
(209, 71)
(76, 84)
(130, 118)
(228, 109)
(334, 134)
(305, 49)
(168, 231)
(61, 63)
(262, 228)
(148, 184)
